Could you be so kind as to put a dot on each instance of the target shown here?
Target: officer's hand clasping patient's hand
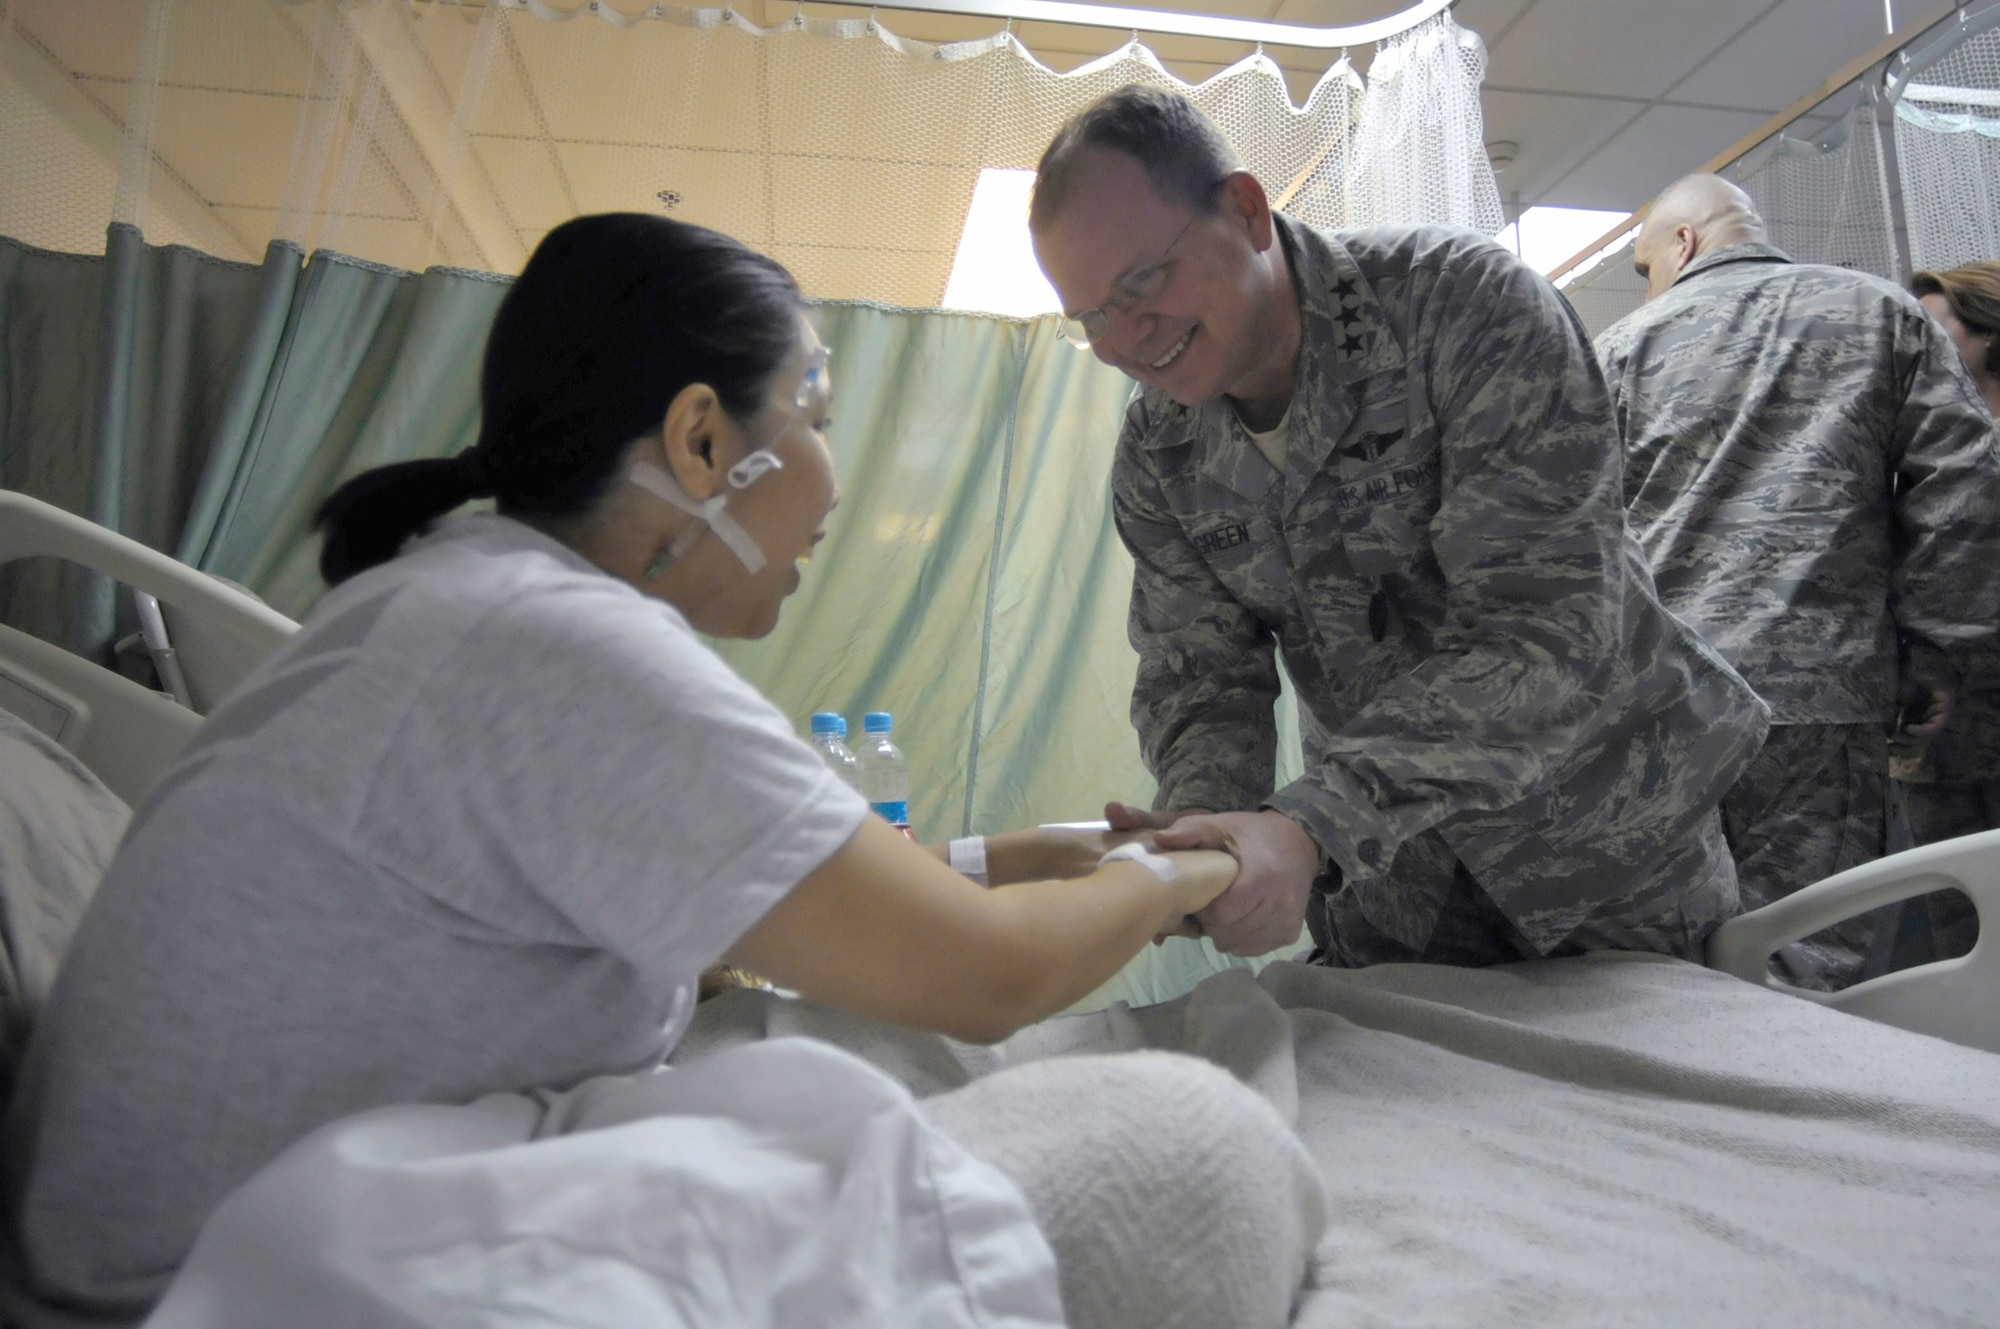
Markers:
(1266, 906)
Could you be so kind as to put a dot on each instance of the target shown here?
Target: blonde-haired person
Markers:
(472, 836)
(1953, 788)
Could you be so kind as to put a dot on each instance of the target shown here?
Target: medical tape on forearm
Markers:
(1158, 864)
(968, 858)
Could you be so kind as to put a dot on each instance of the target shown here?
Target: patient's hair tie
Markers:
(477, 467)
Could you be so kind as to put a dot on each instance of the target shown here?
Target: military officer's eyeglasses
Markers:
(1135, 288)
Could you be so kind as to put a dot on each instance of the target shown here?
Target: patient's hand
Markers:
(1266, 906)
(1126, 817)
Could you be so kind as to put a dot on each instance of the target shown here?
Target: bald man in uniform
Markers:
(1805, 459)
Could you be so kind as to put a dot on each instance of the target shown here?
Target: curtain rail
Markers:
(1069, 12)
(1186, 25)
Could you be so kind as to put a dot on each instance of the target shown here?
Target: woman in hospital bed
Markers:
(478, 830)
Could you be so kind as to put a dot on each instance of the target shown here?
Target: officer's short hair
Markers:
(1183, 153)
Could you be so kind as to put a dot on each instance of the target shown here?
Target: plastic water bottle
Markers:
(885, 777)
(828, 731)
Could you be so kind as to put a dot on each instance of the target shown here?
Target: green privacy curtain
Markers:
(971, 581)
(48, 332)
(112, 375)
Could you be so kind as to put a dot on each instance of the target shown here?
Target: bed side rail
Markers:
(127, 734)
(1958, 1000)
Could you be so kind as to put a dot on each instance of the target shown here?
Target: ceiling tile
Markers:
(189, 126)
(505, 105)
(249, 45)
(449, 35)
(652, 83)
(722, 190)
(1786, 55)
(1553, 134)
(524, 175)
(1488, 18)
(1661, 146)
(896, 205)
(101, 39)
(833, 272)
(1637, 49)
(257, 226)
(239, 45)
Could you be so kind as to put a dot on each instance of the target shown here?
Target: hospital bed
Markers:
(204, 635)
(1613, 1139)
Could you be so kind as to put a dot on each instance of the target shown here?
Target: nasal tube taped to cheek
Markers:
(713, 512)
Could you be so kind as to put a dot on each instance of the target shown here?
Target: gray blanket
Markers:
(1612, 1140)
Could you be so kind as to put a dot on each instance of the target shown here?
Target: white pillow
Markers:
(59, 827)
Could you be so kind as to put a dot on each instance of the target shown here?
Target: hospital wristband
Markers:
(1158, 864)
(968, 857)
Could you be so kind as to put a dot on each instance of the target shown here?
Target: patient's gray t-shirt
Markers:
(479, 828)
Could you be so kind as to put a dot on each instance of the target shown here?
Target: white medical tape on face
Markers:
(713, 512)
(1157, 864)
(753, 468)
(968, 858)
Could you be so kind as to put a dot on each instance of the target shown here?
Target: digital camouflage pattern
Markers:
(1945, 811)
(1813, 803)
(1809, 469)
(1484, 677)
(1968, 750)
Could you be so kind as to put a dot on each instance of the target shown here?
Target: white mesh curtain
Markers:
(420, 132)
(1824, 200)
(1948, 149)
(1827, 200)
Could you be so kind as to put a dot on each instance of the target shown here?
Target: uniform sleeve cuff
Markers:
(1339, 817)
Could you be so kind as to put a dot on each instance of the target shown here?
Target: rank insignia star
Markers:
(1344, 291)
(1352, 344)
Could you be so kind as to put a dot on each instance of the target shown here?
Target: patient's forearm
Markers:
(883, 929)
(1038, 853)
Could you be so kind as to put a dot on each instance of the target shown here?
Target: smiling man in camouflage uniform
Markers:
(1388, 454)
(1809, 471)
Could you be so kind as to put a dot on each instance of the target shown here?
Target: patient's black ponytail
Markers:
(613, 316)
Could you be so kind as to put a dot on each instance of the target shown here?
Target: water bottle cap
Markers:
(877, 722)
(826, 722)
(843, 725)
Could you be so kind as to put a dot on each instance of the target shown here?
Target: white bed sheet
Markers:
(783, 1185)
(1617, 1139)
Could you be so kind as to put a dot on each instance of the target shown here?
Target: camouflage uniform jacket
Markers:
(1807, 466)
(1481, 668)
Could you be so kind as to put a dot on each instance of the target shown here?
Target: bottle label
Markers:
(897, 814)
